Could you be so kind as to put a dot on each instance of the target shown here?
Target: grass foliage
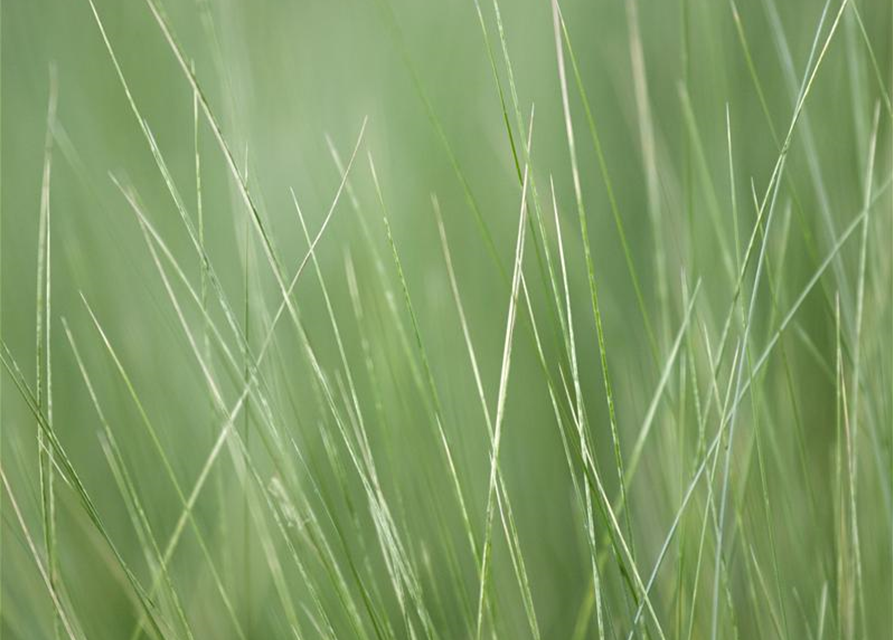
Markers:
(384, 319)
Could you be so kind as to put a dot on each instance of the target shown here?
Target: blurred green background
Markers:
(282, 76)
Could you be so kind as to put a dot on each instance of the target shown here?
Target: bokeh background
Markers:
(282, 78)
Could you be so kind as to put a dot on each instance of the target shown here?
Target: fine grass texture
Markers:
(385, 319)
